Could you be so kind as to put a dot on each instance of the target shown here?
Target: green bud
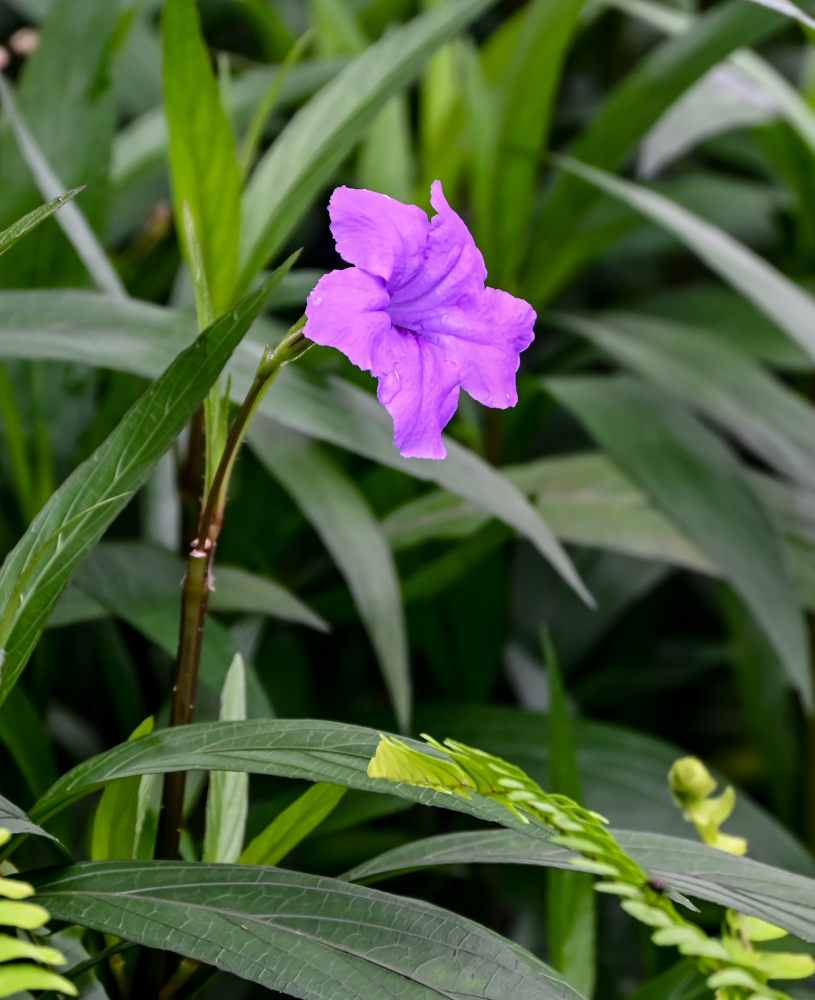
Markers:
(690, 781)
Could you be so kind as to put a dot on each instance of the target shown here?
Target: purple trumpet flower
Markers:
(415, 313)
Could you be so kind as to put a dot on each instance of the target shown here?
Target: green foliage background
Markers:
(641, 172)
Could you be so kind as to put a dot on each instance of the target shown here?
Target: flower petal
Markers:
(483, 343)
(346, 310)
(378, 233)
(421, 394)
(452, 272)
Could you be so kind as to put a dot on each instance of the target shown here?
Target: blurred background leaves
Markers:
(663, 435)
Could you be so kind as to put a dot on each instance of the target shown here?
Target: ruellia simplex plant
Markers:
(475, 256)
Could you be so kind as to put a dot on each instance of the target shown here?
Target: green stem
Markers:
(198, 582)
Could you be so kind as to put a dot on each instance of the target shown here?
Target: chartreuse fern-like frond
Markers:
(692, 786)
(21, 974)
(734, 969)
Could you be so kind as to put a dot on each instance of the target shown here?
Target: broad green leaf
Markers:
(347, 526)
(777, 896)
(305, 155)
(140, 338)
(694, 478)
(36, 571)
(769, 290)
(64, 97)
(116, 824)
(630, 111)
(228, 795)
(19, 228)
(310, 937)
(718, 380)
(570, 907)
(15, 820)
(204, 164)
(622, 773)
(294, 824)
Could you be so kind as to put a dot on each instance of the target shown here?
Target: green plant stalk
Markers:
(198, 582)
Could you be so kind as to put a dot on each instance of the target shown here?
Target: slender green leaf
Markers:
(622, 773)
(570, 895)
(351, 533)
(116, 828)
(716, 379)
(15, 820)
(37, 570)
(780, 897)
(140, 338)
(24, 734)
(141, 585)
(630, 111)
(775, 295)
(789, 9)
(71, 221)
(19, 228)
(294, 824)
(204, 164)
(694, 478)
(138, 577)
(228, 796)
(65, 105)
(317, 139)
(314, 938)
(527, 90)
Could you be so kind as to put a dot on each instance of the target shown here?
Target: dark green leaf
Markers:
(623, 774)
(303, 935)
(775, 895)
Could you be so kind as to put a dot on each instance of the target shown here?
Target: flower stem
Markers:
(198, 582)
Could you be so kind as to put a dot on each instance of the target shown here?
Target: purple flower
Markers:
(414, 312)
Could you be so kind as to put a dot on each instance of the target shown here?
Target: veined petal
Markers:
(452, 272)
(378, 233)
(346, 310)
(483, 343)
(421, 394)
